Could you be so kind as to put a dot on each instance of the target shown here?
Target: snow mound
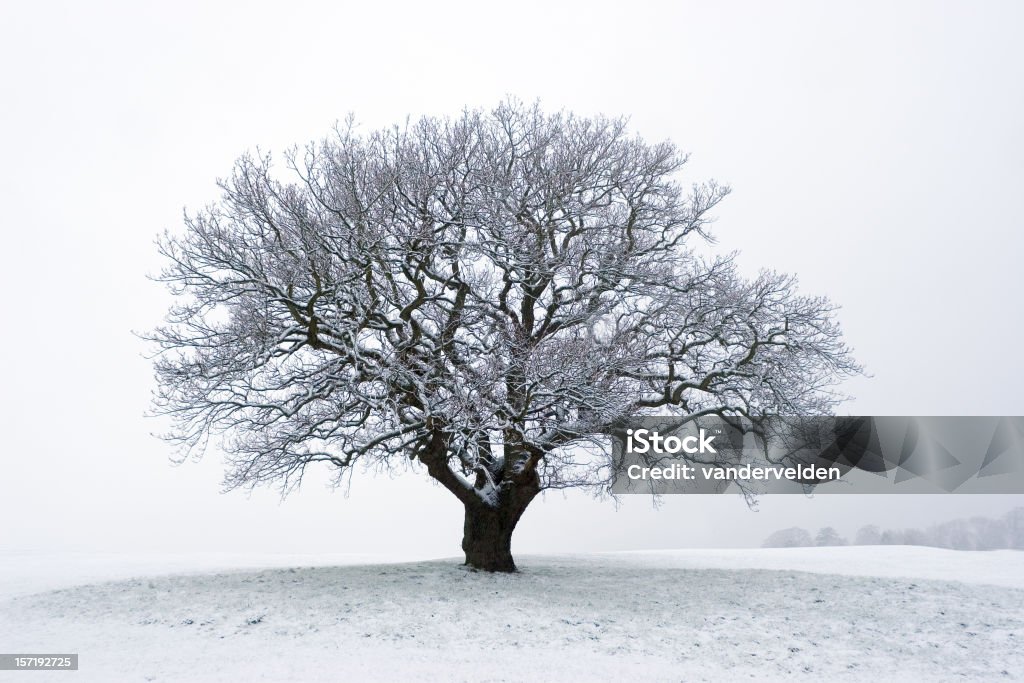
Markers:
(593, 617)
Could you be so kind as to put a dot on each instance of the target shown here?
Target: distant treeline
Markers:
(975, 533)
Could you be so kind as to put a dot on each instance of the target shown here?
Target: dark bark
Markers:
(487, 534)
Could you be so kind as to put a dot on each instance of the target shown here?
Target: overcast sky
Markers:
(874, 148)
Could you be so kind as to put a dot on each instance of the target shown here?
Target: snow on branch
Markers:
(481, 294)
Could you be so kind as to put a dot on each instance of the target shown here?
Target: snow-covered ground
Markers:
(859, 613)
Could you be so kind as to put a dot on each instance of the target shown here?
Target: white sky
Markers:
(874, 148)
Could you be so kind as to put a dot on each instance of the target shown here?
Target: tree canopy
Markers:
(484, 295)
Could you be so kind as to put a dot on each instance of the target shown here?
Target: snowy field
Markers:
(858, 613)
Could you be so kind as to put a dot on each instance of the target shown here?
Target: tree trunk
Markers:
(487, 539)
(487, 535)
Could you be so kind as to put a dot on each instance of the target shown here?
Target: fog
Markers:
(874, 149)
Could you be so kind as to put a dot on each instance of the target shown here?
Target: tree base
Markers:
(491, 564)
(487, 539)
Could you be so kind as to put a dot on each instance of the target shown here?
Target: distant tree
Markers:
(1014, 521)
(868, 535)
(828, 536)
(891, 537)
(484, 296)
(915, 537)
(793, 537)
(957, 534)
(976, 533)
(990, 534)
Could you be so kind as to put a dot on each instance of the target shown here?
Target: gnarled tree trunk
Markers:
(487, 535)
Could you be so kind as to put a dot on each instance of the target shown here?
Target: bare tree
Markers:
(868, 535)
(1014, 520)
(828, 536)
(793, 537)
(484, 296)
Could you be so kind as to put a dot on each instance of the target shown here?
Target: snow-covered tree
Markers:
(828, 536)
(991, 534)
(976, 533)
(793, 537)
(1014, 520)
(958, 534)
(892, 537)
(915, 537)
(868, 535)
(482, 296)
